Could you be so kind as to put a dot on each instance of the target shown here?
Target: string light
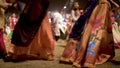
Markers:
(65, 7)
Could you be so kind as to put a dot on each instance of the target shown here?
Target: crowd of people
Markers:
(62, 23)
(29, 31)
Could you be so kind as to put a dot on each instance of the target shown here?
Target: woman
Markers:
(32, 39)
(75, 13)
(96, 42)
(116, 33)
(3, 6)
(58, 24)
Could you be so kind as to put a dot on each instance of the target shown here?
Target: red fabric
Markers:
(2, 45)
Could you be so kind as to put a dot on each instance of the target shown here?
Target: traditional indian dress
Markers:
(96, 44)
(36, 42)
(2, 45)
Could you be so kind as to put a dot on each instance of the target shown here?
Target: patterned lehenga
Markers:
(96, 44)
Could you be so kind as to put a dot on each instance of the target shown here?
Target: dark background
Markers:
(59, 4)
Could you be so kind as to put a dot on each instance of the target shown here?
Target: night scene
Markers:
(59, 33)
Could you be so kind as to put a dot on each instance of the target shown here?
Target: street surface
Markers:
(59, 47)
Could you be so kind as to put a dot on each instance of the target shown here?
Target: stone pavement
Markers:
(59, 47)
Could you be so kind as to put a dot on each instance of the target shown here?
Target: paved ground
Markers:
(55, 64)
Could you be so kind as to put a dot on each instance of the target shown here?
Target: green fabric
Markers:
(119, 30)
(11, 33)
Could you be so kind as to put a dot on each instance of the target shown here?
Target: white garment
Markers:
(59, 24)
(7, 30)
(116, 33)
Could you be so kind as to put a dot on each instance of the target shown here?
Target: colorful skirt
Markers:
(41, 47)
(96, 45)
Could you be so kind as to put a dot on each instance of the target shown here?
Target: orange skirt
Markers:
(41, 47)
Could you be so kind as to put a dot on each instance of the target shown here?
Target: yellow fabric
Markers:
(1, 15)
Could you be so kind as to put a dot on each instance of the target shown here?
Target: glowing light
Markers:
(65, 7)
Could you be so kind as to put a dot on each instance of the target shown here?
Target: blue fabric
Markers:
(90, 48)
(116, 15)
(21, 6)
(80, 23)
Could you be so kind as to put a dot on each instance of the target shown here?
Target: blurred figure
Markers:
(32, 37)
(115, 15)
(13, 19)
(60, 25)
(93, 44)
(3, 6)
(76, 12)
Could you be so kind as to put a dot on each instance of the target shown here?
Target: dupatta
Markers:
(80, 23)
(29, 22)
